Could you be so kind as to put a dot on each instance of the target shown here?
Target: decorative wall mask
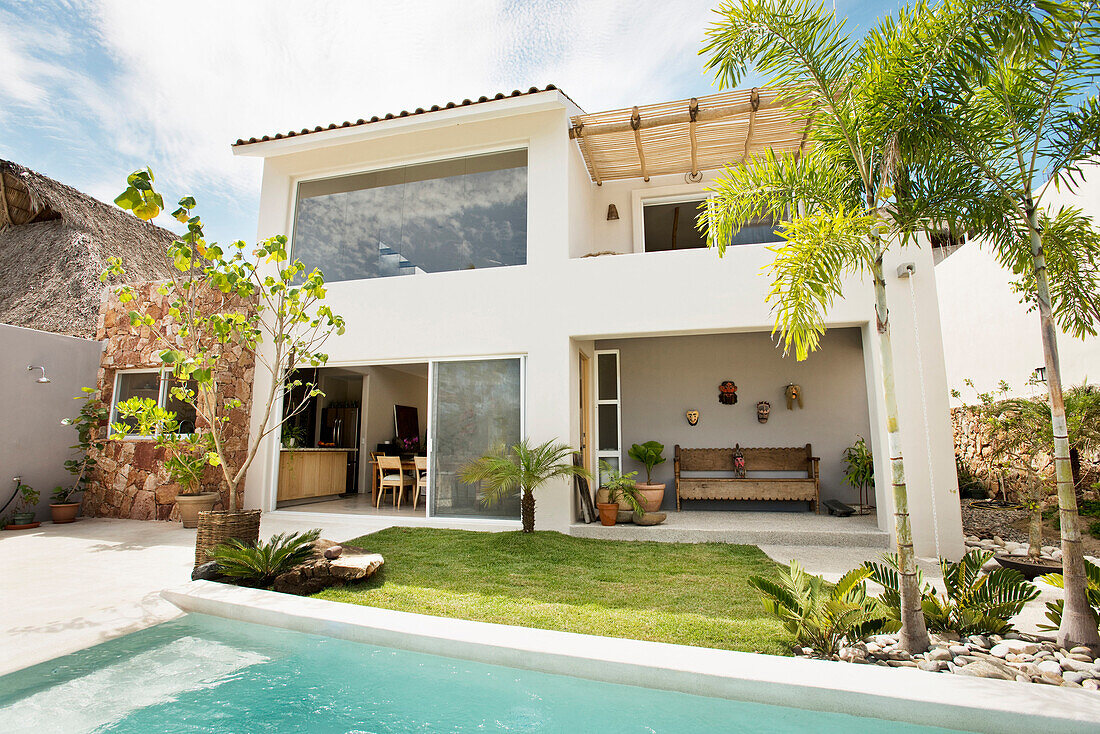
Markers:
(738, 462)
(763, 410)
(693, 417)
(727, 393)
(794, 394)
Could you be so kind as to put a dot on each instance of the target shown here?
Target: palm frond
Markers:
(262, 562)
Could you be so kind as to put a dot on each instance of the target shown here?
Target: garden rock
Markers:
(333, 552)
(649, 518)
(939, 654)
(1050, 666)
(1015, 647)
(987, 669)
(207, 572)
(320, 573)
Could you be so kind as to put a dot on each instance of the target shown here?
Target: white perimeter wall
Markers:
(558, 304)
(988, 335)
(33, 443)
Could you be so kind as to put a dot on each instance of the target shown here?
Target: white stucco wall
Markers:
(33, 443)
(988, 334)
(559, 302)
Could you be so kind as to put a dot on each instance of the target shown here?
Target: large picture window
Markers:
(671, 226)
(154, 385)
(460, 214)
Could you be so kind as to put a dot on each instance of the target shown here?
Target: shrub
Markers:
(1092, 593)
(649, 454)
(975, 604)
(822, 616)
(262, 562)
(970, 486)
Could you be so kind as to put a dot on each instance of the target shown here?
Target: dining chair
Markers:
(390, 476)
(421, 463)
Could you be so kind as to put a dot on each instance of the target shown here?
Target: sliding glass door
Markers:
(477, 408)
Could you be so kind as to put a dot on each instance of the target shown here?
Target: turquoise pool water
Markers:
(202, 674)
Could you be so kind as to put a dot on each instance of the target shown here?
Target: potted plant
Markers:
(89, 444)
(650, 455)
(28, 500)
(619, 490)
(185, 455)
(294, 436)
(224, 305)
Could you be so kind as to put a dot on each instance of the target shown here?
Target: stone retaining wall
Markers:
(129, 480)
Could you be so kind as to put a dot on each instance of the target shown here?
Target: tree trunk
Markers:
(1035, 523)
(1078, 625)
(914, 631)
(527, 511)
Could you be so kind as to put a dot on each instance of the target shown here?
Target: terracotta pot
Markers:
(652, 495)
(192, 504)
(608, 513)
(626, 510)
(64, 512)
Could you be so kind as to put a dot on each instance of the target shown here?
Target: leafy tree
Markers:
(841, 201)
(222, 303)
(88, 445)
(522, 468)
(1013, 104)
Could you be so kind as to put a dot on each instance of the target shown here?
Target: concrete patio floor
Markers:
(67, 587)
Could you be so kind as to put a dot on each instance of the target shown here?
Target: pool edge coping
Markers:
(895, 694)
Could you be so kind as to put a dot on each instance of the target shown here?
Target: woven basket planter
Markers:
(218, 526)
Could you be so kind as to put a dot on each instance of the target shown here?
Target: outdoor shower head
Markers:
(43, 379)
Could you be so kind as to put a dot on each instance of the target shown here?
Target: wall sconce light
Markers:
(612, 213)
(43, 379)
(1041, 374)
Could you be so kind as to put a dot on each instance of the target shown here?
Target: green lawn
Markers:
(682, 593)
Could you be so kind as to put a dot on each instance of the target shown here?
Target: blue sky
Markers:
(92, 90)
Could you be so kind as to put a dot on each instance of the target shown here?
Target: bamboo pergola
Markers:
(688, 136)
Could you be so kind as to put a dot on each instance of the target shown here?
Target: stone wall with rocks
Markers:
(129, 480)
(973, 439)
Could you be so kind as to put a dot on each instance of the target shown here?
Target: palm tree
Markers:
(1015, 105)
(840, 201)
(523, 468)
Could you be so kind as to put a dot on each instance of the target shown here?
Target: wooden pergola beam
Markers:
(588, 155)
(693, 114)
(636, 126)
(765, 101)
(754, 100)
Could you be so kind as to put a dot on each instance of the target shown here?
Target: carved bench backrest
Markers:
(793, 458)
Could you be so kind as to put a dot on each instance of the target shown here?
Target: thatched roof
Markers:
(54, 243)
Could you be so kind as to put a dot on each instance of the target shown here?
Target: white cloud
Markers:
(176, 83)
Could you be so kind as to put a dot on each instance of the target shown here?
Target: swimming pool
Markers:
(200, 673)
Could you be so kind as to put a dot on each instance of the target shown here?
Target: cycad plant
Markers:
(841, 200)
(975, 604)
(1014, 105)
(821, 615)
(1055, 608)
(259, 564)
(522, 468)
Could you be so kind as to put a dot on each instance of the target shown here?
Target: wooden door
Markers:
(586, 411)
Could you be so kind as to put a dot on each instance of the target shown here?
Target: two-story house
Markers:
(513, 266)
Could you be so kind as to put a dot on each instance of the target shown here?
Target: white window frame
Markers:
(641, 198)
(599, 453)
(162, 395)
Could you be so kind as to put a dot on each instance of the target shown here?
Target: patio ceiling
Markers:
(688, 136)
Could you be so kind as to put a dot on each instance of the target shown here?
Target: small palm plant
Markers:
(1092, 593)
(975, 603)
(823, 616)
(522, 468)
(259, 564)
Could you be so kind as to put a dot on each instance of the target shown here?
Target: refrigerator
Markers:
(340, 427)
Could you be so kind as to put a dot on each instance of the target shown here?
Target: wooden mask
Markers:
(693, 417)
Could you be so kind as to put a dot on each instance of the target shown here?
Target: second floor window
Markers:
(459, 214)
(671, 226)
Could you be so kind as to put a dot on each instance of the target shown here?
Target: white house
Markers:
(988, 335)
(556, 288)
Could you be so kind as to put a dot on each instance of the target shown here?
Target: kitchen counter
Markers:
(312, 472)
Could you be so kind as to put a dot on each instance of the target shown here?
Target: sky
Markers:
(91, 90)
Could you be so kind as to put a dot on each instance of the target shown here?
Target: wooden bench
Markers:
(795, 459)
